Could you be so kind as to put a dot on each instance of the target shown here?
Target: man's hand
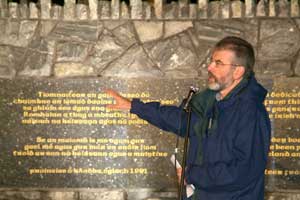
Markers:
(179, 172)
(122, 103)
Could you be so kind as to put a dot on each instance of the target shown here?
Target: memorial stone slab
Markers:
(59, 133)
(283, 105)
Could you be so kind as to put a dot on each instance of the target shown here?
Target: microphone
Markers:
(191, 93)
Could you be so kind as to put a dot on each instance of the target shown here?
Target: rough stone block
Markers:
(133, 63)
(297, 65)
(12, 30)
(173, 28)
(9, 194)
(277, 68)
(62, 195)
(10, 60)
(71, 69)
(202, 9)
(297, 22)
(146, 193)
(282, 195)
(30, 195)
(33, 11)
(183, 9)
(147, 14)
(7, 72)
(179, 61)
(124, 10)
(70, 51)
(148, 31)
(83, 31)
(105, 9)
(2, 30)
(46, 27)
(37, 64)
(115, 9)
(18, 33)
(93, 4)
(113, 24)
(81, 11)
(237, 8)
(42, 45)
(125, 35)
(45, 8)
(193, 11)
(278, 33)
(214, 10)
(3, 9)
(225, 6)
(283, 8)
(111, 45)
(136, 9)
(69, 10)
(204, 32)
(26, 31)
(261, 9)
(158, 8)
(104, 52)
(249, 8)
(24, 11)
(295, 8)
(13, 10)
(272, 8)
(246, 29)
(171, 10)
(103, 195)
(56, 12)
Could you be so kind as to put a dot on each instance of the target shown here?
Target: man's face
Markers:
(220, 70)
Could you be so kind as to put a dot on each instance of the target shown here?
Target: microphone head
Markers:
(194, 89)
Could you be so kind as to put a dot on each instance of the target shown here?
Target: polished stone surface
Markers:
(111, 148)
(130, 152)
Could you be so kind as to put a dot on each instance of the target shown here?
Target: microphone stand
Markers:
(187, 109)
(185, 147)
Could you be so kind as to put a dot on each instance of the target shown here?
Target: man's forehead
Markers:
(223, 53)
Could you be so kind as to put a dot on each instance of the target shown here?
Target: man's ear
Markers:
(239, 72)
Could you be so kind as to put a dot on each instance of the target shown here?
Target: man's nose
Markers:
(210, 66)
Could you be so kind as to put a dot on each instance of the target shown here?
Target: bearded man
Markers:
(230, 128)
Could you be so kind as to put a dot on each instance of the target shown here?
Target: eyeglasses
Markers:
(219, 63)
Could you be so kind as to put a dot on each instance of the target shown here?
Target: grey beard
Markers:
(215, 86)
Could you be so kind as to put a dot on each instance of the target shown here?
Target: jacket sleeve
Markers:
(249, 155)
(168, 118)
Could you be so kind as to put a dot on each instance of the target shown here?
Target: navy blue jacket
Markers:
(234, 155)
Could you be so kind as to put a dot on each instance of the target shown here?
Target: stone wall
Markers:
(143, 39)
(133, 48)
(153, 9)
